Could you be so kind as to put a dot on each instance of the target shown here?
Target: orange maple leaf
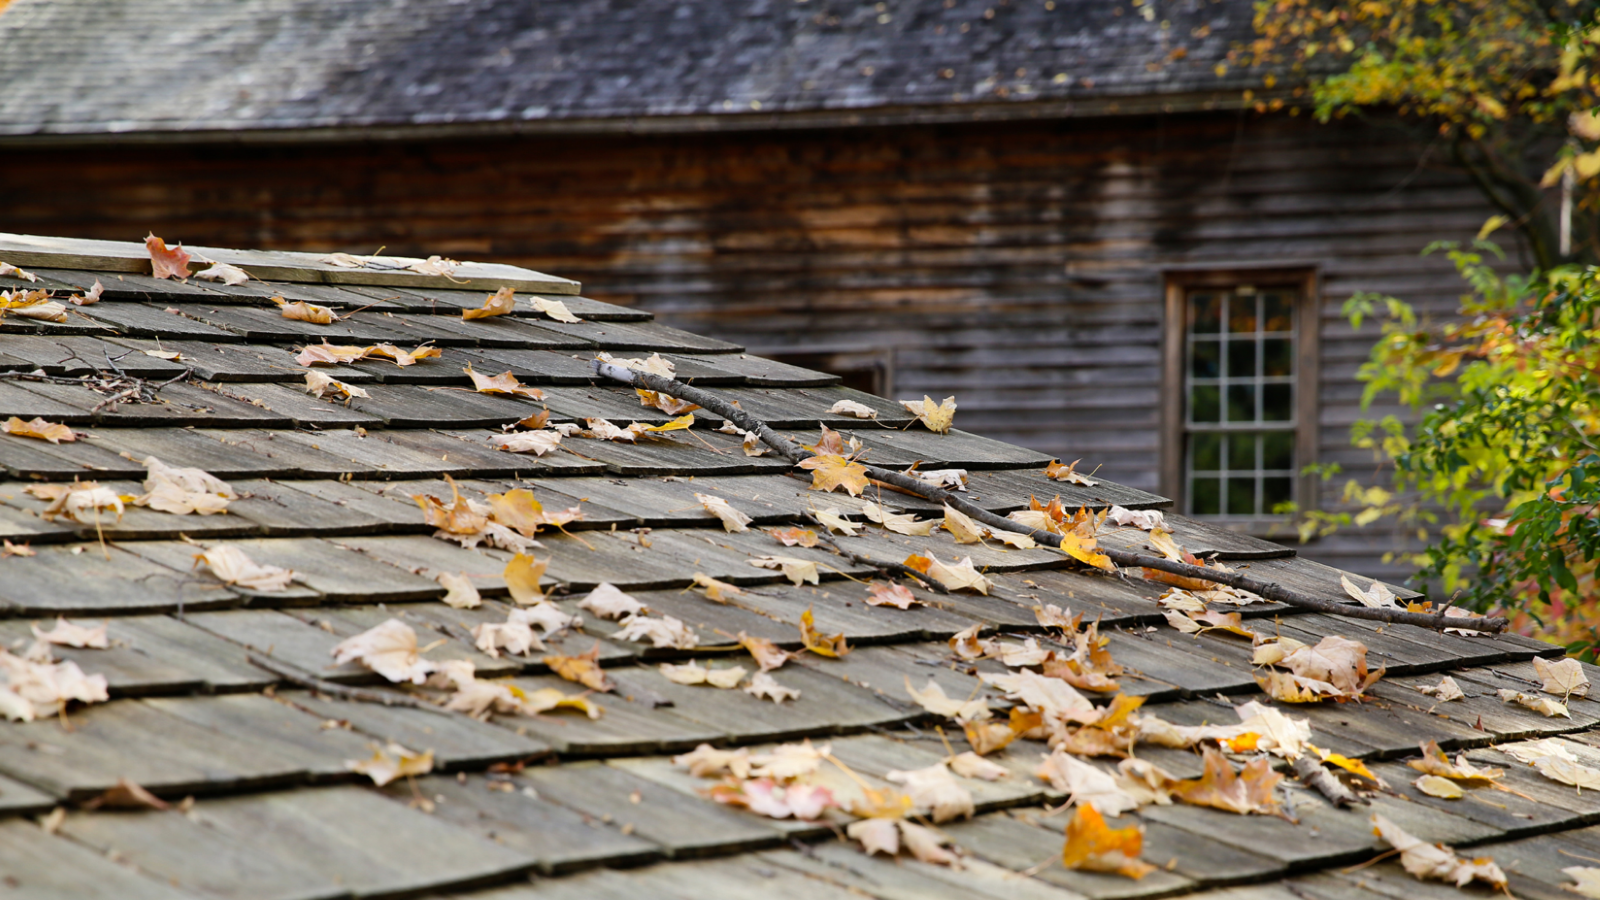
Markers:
(1247, 791)
(583, 669)
(165, 263)
(1092, 846)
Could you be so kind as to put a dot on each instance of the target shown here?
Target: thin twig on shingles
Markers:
(296, 675)
(1273, 591)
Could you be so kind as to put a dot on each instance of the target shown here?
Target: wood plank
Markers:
(626, 727)
(457, 742)
(49, 867)
(126, 583)
(282, 725)
(197, 448)
(907, 879)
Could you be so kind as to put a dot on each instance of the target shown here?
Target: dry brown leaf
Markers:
(90, 296)
(798, 571)
(321, 384)
(1435, 762)
(1092, 846)
(164, 262)
(791, 537)
(1334, 660)
(934, 417)
(230, 275)
(38, 428)
(885, 594)
(1446, 690)
(9, 271)
(1563, 678)
(391, 762)
(127, 795)
(766, 653)
(1438, 862)
(326, 354)
(764, 687)
(555, 309)
(733, 521)
(583, 668)
(1246, 791)
(953, 576)
(434, 265)
(716, 591)
(672, 406)
(504, 383)
(301, 311)
(536, 442)
(500, 303)
(234, 568)
(830, 471)
(403, 358)
(831, 646)
(1544, 706)
(390, 649)
(1055, 471)
(853, 409)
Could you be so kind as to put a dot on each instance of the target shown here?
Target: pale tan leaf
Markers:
(67, 634)
(460, 593)
(933, 699)
(896, 595)
(320, 385)
(1446, 690)
(1436, 786)
(798, 571)
(835, 522)
(659, 632)
(390, 649)
(961, 526)
(706, 761)
(716, 591)
(233, 567)
(732, 519)
(876, 835)
(899, 523)
(555, 309)
(537, 442)
(971, 765)
(1437, 862)
(1055, 471)
(935, 792)
(301, 311)
(608, 602)
(38, 428)
(765, 687)
(1563, 678)
(1376, 596)
(394, 761)
(1544, 706)
(854, 409)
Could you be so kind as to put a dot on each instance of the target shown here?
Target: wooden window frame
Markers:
(1306, 281)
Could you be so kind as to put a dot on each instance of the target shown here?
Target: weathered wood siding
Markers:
(1014, 266)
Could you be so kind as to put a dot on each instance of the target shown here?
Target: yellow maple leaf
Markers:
(830, 471)
(522, 576)
(682, 423)
(832, 646)
(935, 417)
(36, 427)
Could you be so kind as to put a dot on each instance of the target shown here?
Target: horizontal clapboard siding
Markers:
(1014, 266)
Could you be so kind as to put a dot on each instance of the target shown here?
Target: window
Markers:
(1241, 385)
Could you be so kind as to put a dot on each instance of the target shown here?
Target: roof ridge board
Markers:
(272, 265)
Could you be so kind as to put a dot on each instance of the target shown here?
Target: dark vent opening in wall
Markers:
(870, 371)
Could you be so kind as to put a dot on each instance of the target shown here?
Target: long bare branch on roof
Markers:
(1273, 591)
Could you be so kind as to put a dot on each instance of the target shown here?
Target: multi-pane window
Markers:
(1239, 412)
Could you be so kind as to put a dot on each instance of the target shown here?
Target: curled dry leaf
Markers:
(831, 471)
(608, 602)
(766, 653)
(520, 510)
(1244, 792)
(459, 591)
(1143, 519)
(505, 383)
(500, 303)
(390, 649)
(1086, 784)
(80, 501)
(1544, 706)
(233, 276)
(1446, 690)
(403, 358)
(660, 632)
(853, 409)
(971, 765)
(1437, 862)
(583, 669)
(536, 442)
(798, 571)
(1092, 846)
(20, 550)
(1564, 678)
(962, 527)
(1435, 786)
(706, 761)
(389, 763)
(1530, 752)
(787, 762)
(515, 636)
(835, 522)
(301, 311)
(320, 385)
(899, 523)
(832, 646)
(434, 265)
(38, 428)
(165, 262)
(9, 271)
(655, 364)
(768, 798)
(945, 479)
(1568, 771)
(90, 296)
(880, 593)
(1336, 667)
(692, 672)
(600, 429)
(66, 634)
(733, 521)
(181, 490)
(326, 354)
(34, 688)
(791, 537)
(1435, 762)
(716, 591)
(887, 835)
(672, 406)
(234, 568)
(933, 699)
(555, 309)
(765, 687)
(987, 737)
(1376, 596)
(1055, 471)
(937, 418)
(953, 576)
(935, 792)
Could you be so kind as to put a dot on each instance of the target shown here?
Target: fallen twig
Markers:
(297, 675)
(792, 451)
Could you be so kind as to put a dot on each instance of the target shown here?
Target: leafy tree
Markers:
(1508, 86)
(1502, 471)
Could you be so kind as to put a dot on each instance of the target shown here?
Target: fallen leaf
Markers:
(791, 537)
(1435, 762)
(733, 521)
(390, 649)
(1436, 786)
(899, 523)
(183, 490)
(1246, 791)
(601, 429)
(1377, 596)
(768, 798)
(321, 384)
(1334, 660)
(9, 271)
(583, 668)
(885, 594)
(522, 574)
(500, 303)
(520, 510)
(35, 688)
(766, 653)
(933, 699)
(798, 571)
(854, 409)
(32, 305)
(233, 567)
(608, 602)
(876, 835)
(301, 311)
(926, 845)
(514, 635)
(831, 646)
(787, 762)
(660, 632)
(672, 406)
(164, 262)
(1529, 752)
(1544, 706)
(459, 591)
(434, 265)
(682, 423)
(505, 383)
(971, 765)
(389, 763)
(706, 761)
(835, 522)
(536, 442)
(66, 634)
(1143, 519)
(935, 792)
(90, 296)
(1445, 690)
(962, 527)
(326, 354)
(765, 687)
(1587, 878)
(1423, 860)
(936, 418)
(403, 358)
(946, 479)
(38, 428)
(953, 576)
(716, 591)
(127, 795)
(1092, 846)
(1564, 678)
(831, 471)
(555, 309)
(694, 673)
(1085, 784)
(19, 550)
(1055, 471)
(1568, 771)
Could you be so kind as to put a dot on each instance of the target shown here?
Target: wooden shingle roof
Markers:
(561, 805)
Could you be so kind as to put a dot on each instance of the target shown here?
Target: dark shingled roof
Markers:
(84, 67)
(595, 808)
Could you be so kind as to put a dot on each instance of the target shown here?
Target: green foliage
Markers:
(1508, 86)
(1501, 474)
